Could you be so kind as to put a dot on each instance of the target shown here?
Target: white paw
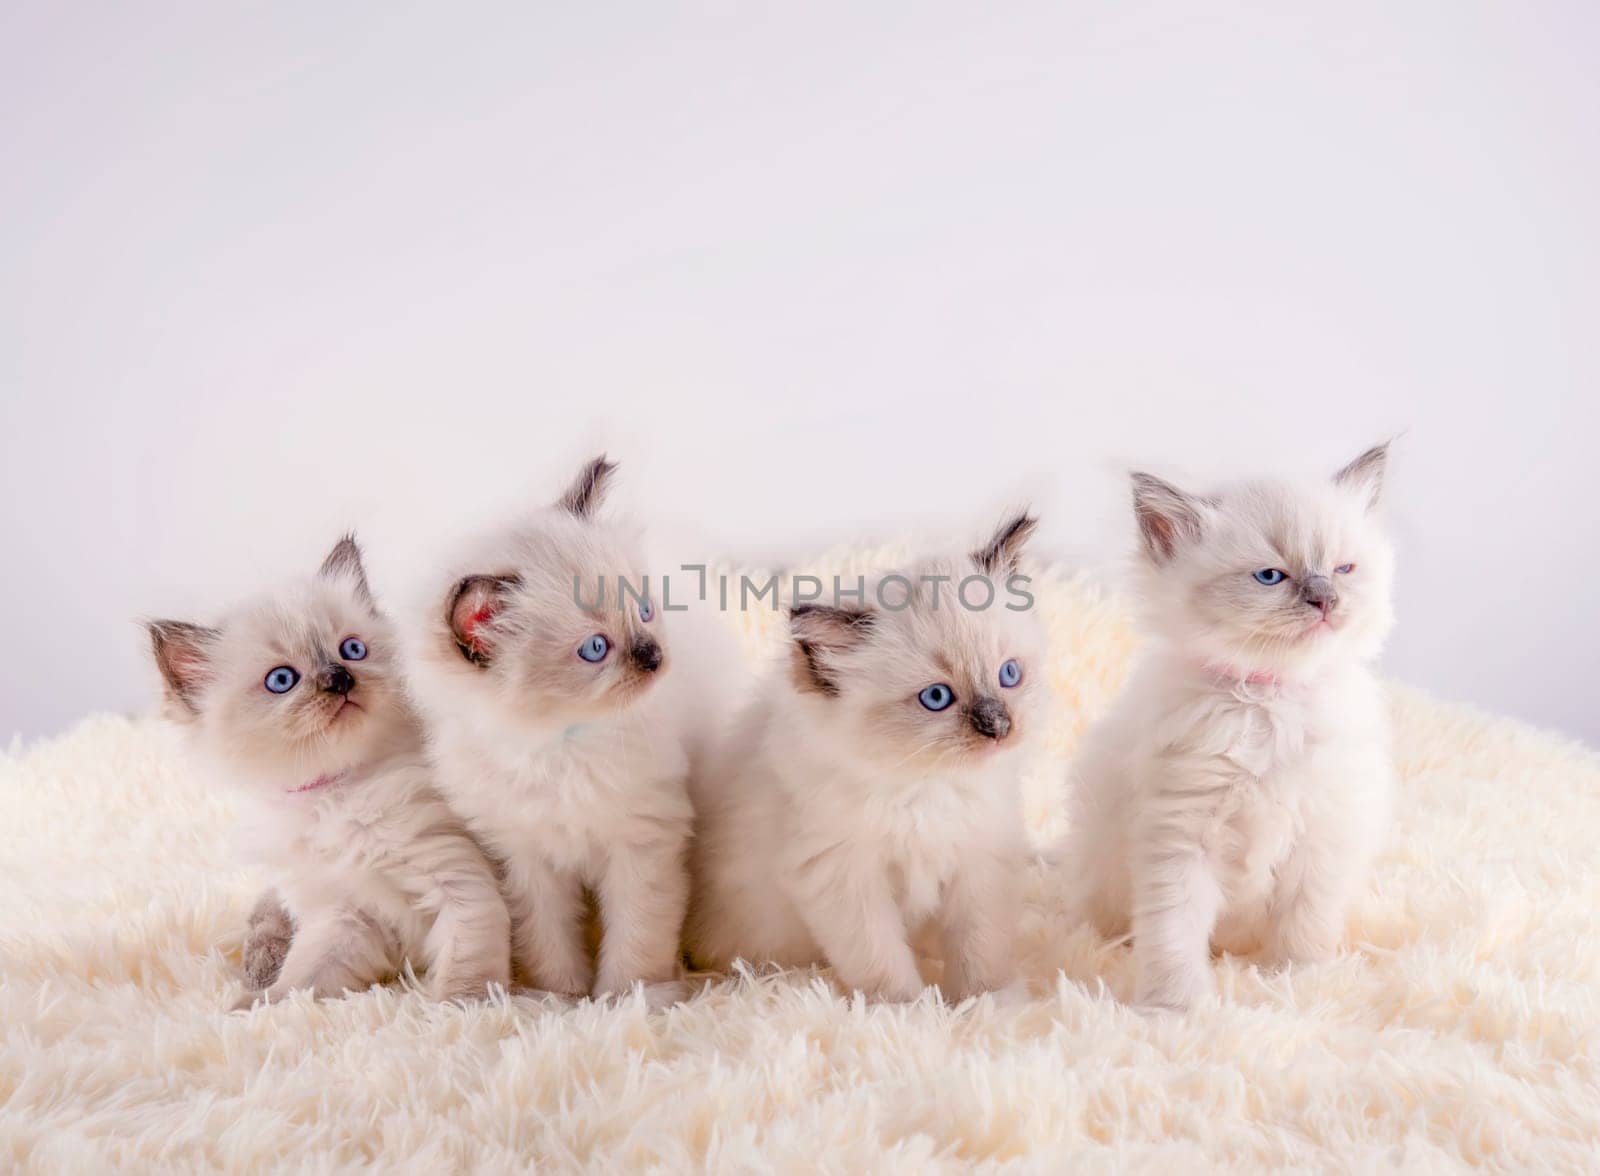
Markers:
(658, 994)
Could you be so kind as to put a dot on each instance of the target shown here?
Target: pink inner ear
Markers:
(483, 613)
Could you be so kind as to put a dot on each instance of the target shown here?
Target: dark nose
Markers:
(646, 655)
(990, 718)
(336, 680)
(1318, 592)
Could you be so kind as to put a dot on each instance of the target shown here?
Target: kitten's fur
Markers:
(373, 868)
(572, 773)
(844, 815)
(1238, 790)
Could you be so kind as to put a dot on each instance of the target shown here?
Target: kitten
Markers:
(296, 701)
(556, 744)
(1240, 787)
(874, 789)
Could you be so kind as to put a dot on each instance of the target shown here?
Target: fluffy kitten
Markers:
(1239, 788)
(555, 743)
(295, 700)
(874, 789)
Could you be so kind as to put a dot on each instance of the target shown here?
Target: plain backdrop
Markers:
(813, 272)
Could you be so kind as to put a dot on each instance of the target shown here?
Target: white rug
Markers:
(1460, 1027)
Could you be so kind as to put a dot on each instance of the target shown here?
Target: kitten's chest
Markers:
(351, 844)
(573, 799)
(921, 841)
(1261, 756)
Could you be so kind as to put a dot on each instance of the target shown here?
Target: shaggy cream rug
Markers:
(1460, 1027)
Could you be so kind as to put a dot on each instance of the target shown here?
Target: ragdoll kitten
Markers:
(296, 701)
(1239, 789)
(538, 679)
(873, 790)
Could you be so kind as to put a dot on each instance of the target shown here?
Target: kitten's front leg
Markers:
(334, 951)
(1176, 903)
(852, 914)
(1306, 920)
(547, 927)
(980, 925)
(644, 893)
(267, 940)
(468, 948)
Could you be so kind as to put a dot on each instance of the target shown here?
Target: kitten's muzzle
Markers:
(1319, 593)
(335, 680)
(646, 654)
(990, 718)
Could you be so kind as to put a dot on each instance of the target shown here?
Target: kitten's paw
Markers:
(571, 985)
(467, 990)
(254, 996)
(888, 993)
(1175, 995)
(658, 994)
(1013, 994)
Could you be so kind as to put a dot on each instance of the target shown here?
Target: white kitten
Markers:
(295, 700)
(554, 742)
(874, 789)
(1239, 788)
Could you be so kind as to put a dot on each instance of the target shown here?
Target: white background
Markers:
(811, 272)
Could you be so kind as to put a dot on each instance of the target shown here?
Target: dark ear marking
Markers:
(588, 489)
(1167, 516)
(1005, 545)
(472, 605)
(818, 631)
(183, 655)
(1364, 476)
(344, 561)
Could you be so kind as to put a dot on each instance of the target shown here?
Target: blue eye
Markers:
(646, 611)
(281, 679)
(1010, 673)
(936, 697)
(352, 649)
(594, 649)
(1345, 569)
(1271, 576)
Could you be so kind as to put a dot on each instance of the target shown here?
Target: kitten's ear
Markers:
(1004, 548)
(183, 655)
(820, 632)
(588, 489)
(344, 562)
(1364, 476)
(470, 611)
(1167, 516)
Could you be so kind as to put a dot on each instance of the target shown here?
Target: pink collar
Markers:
(323, 781)
(1241, 677)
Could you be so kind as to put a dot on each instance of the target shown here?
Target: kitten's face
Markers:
(297, 685)
(531, 638)
(926, 687)
(1269, 577)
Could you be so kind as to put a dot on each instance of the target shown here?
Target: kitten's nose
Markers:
(336, 680)
(646, 655)
(1318, 592)
(990, 718)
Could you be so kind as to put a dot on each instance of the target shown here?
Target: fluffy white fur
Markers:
(1238, 791)
(571, 772)
(1457, 1029)
(845, 815)
(335, 795)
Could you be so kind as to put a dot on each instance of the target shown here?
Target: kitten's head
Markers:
(296, 685)
(537, 631)
(1267, 576)
(935, 684)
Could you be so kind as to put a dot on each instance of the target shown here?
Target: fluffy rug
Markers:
(1460, 1027)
